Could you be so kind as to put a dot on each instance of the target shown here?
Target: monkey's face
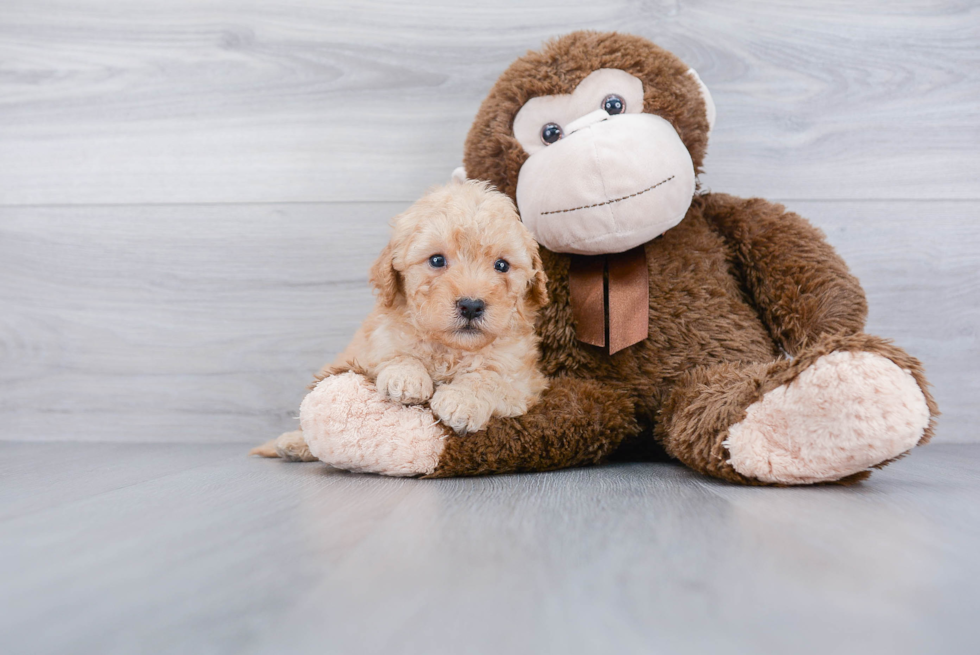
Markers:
(598, 139)
(602, 176)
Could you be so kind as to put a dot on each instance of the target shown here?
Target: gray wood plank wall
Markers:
(191, 192)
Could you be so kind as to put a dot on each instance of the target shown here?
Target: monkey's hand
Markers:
(348, 424)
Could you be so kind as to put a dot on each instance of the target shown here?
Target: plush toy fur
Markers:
(756, 369)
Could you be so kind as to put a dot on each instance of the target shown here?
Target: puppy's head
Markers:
(462, 267)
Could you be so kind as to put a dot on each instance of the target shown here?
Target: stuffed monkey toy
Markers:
(725, 331)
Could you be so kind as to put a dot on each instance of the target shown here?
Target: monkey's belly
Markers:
(699, 315)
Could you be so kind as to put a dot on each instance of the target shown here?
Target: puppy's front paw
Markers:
(460, 408)
(406, 383)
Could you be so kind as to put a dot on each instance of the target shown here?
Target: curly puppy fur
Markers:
(417, 345)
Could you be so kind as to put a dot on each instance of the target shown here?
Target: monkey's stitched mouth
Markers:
(609, 202)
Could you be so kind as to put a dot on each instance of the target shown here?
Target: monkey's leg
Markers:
(349, 425)
(841, 407)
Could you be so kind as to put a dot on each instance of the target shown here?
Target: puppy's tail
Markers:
(268, 449)
(290, 446)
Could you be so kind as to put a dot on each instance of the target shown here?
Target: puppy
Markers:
(457, 289)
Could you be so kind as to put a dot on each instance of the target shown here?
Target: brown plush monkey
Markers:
(725, 330)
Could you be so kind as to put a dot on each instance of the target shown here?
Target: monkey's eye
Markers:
(437, 261)
(551, 133)
(613, 104)
(501, 266)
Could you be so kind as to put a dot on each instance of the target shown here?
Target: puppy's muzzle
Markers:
(470, 309)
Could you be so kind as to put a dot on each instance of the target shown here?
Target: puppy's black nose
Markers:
(470, 308)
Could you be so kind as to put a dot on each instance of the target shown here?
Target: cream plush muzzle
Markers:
(612, 182)
(608, 185)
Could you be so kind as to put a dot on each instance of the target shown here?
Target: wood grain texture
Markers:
(176, 323)
(150, 291)
(109, 101)
(191, 193)
(205, 323)
(228, 554)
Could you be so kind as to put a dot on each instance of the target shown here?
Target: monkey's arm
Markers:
(576, 422)
(800, 286)
(349, 425)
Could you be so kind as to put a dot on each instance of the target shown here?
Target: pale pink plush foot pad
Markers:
(349, 425)
(844, 414)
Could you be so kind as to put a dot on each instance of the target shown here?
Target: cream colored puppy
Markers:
(457, 289)
(458, 286)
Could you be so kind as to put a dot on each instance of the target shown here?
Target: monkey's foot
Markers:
(348, 424)
(844, 414)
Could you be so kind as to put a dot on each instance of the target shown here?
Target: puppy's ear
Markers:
(384, 278)
(537, 291)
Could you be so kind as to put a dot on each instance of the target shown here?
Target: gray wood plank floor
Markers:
(124, 548)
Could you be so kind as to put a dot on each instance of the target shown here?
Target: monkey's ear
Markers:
(384, 278)
(537, 292)
(709, 104)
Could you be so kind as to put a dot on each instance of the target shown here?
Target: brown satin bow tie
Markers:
(610, 297)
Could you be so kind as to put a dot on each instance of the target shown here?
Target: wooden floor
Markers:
(176, 548)
(191, 194)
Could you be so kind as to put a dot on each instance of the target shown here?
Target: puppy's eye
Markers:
(613, 104)
(501, 266)
(551, 133)
(437, 261)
